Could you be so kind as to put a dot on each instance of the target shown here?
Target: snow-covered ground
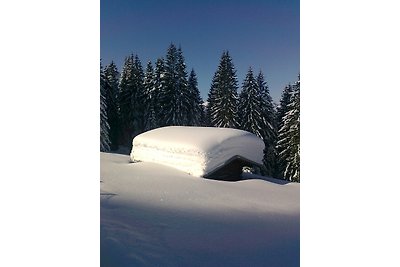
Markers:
(154, 215)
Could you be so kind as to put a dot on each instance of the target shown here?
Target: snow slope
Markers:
(154, 215)
(195, 150)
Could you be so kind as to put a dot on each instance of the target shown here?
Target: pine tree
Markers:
(138, 97)
(150, 98)
(257, 114)
(269, 126)
(289, 137)
(104, 127)
(125, 104)
(174, 94)
(112, 75)
(223, 98)
(283, 105)
(159, 86)
(186, 96)
(212, 95)
(282, 109)
(268, 112)
(250, 114)
(195, 109)
(132, 99)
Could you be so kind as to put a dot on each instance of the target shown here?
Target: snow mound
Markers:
(196, 150)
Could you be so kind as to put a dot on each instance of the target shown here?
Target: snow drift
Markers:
(154, 215)
(196, 150)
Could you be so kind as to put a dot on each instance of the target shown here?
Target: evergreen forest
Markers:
(164, 93)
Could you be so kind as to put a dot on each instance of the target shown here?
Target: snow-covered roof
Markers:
(196, 150)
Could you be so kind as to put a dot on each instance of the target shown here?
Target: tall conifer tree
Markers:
(112, 75)
(250, 110)
(282, 109)
(222, 110)
(195, 108)
(138, 97)
(174, 93)
(132, 99)
(150, 98)
(269, 125)
(289, 137)
(104, 127)
(159, 86)
(268, 112)
(283, 105)
(125, 104)
(256, 112)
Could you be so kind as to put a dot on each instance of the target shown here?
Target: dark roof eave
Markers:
(210, 173)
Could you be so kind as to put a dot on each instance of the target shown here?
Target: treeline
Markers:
(164, 94)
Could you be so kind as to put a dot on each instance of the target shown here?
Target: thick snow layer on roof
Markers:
(196, 150)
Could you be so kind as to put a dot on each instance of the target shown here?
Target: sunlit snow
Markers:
(196, 150)
(154, 215)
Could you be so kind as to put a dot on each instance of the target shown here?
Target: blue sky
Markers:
(263, 34)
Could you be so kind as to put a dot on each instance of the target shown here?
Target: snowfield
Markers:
(154, 215)
(196, 150)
